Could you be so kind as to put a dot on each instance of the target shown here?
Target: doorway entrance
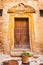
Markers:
(21, 33)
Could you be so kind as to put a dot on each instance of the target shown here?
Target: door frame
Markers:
(31, 29)
(28, 15)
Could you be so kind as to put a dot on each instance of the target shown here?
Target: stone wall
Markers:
(38, 26)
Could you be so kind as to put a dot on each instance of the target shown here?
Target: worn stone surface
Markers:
(37, 35)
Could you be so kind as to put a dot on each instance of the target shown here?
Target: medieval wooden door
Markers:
(21, 33)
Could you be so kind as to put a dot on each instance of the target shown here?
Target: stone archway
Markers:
(6, 21)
